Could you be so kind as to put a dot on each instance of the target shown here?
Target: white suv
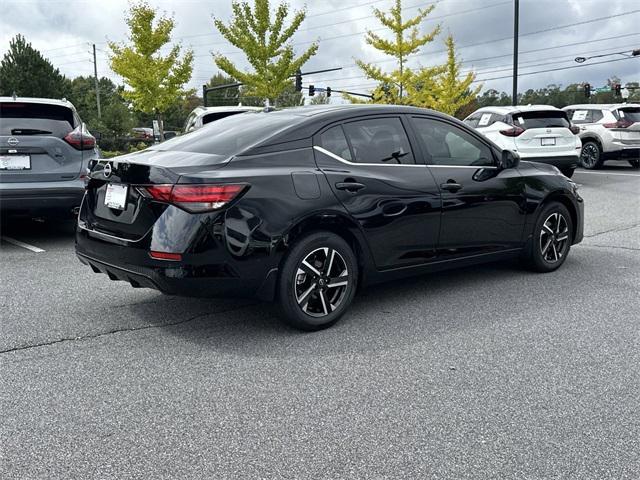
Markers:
(540, 133)
(608, 132)
(200, 116)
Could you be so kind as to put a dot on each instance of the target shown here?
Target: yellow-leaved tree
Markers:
(406, 40)
(155, 81)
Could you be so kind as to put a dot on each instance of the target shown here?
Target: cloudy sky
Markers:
(552, 34)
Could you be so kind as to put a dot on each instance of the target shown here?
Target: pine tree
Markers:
(264, 41)
(25, 72)
(155, 81)
(450, 92)
(407, 40)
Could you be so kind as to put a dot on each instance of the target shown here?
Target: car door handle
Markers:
(352, 187)
(451, 186)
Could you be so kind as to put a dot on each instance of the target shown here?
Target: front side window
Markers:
(579, 116)
(334, 141)
(379, 140)
(447, 144)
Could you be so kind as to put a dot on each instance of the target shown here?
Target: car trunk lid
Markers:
(33, 146)
(545, 131)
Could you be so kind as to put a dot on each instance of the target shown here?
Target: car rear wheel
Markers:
(318, 281)
(591, 155)
(551, 240)
(635, 163)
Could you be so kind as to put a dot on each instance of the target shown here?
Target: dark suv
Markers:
(309, 204)
(44, 153)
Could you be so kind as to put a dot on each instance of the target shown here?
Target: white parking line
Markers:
(22, 244)
(608, 173)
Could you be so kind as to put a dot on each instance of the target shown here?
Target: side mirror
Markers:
(508, 159)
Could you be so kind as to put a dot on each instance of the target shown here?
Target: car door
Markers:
(483, 206)
(370, 166)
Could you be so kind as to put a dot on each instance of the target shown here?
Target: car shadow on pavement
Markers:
(382, 317)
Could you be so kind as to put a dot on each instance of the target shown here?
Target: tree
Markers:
(407, 40)
(320, 99)
(264, 41)
(451, 92)
(155, 81)
(25, 72)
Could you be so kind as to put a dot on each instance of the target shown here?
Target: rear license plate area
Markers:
(116, 196)
(547, 141)
(15, 162)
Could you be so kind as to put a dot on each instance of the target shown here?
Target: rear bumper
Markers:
(198, 275)
(19, 198)
(565, 161)
(624, 153)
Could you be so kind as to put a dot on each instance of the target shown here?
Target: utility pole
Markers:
(95, 76)
(516, 20)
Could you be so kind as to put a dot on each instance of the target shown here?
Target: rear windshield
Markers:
(541, 119)
(630, 113)
(212, 117)
(35, 119)
(230, 135)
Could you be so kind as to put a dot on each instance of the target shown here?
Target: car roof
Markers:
(503, 110)
(46, 101)
(601, 106)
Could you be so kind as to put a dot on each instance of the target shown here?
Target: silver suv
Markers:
(44, 152)
(608, 132)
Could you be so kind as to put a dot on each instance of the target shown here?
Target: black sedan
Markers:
(305, 206)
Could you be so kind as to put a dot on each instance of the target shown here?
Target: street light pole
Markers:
(95, 78)
(516, 20)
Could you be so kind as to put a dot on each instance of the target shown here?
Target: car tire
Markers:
(568, 172)
(591, 155)
(552, 235)
(635, 163)
(311, 292)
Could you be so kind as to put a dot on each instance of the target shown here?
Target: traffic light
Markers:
(298, 80)
(328, 90)
(617, 89)
(587, 90)
(312, 90)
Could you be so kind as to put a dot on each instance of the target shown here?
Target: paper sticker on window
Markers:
(520, 120)
(579, 115)
(484, 120)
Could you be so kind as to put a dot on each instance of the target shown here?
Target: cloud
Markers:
(64, 30)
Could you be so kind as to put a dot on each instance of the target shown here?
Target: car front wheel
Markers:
(552, 236)
(590, 155)
(318, 281)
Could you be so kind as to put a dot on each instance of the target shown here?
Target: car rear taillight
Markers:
(512, 132)
(622, 123)
(574, 129)
(174, 257)
(80, 139)
(196, 198)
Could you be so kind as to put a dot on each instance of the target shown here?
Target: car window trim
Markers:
(472, 133)
(341, 123)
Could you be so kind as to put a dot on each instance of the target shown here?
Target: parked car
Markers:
(44, 154)
(143, 133)
(540, 133)
(608, 132)
(307, 205)
(202, 115)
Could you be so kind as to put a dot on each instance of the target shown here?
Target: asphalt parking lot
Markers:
(486, 372)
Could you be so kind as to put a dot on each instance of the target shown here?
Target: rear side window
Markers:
(379, 140)
(230, 135)
(35, 119)
(447, 144)
(541, 119)
(630, 113)
(472, 121)
(334, 141)
(596, 116)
